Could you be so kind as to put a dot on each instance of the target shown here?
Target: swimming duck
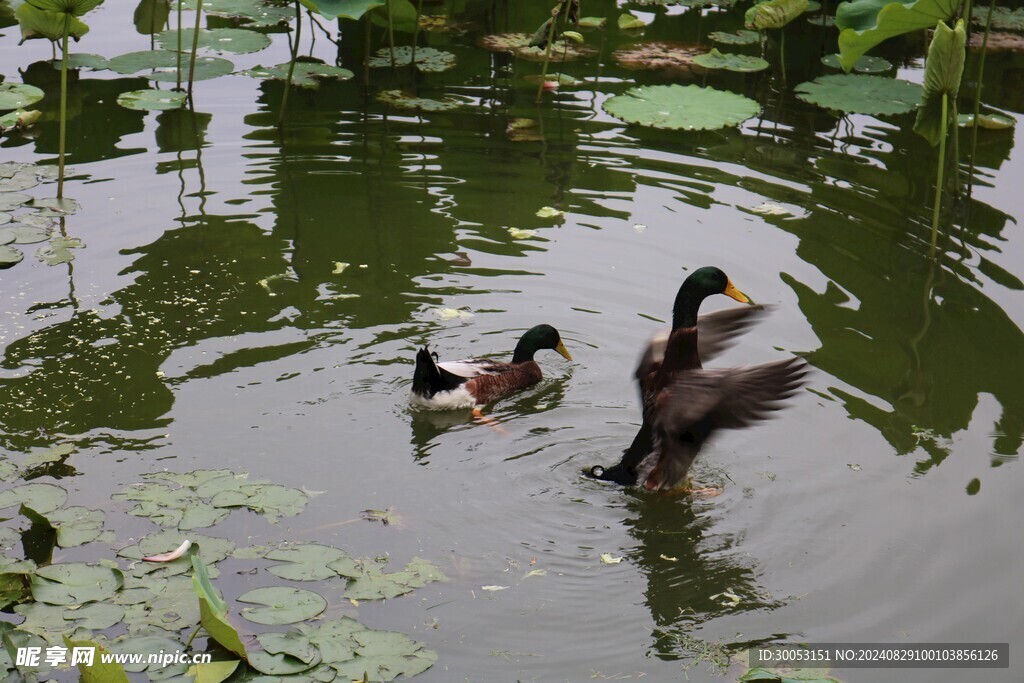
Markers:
(470, 383)
(683, 404)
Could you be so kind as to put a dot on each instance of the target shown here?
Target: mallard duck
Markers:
(683, 404)
(470, 383)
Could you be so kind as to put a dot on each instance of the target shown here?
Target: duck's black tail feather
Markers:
(427, 380)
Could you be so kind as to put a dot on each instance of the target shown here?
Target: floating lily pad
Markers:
(305, 74)
(147, 645)
(44, 621)
(233, 40)
(523, 130)
(304, 562)
(563, 80)
(76, 525)
(270, 500)
(677, 107)
(163, 66)
(369, 581)
(54, 206)
(741, 37)
(171, 606)
(255, 13)
(95, 615)
(864, 65)
(282, 605)
(396, 98)
(1003, 18)
(989, 121)
(75, 583)
(763, 675)
(60, 451)
(151, 100)
(660, 55)
(9, 256)
(284, 654)
(59, 250)
(385, 655)
(43, 498)
(12, 200)
(730, 62)
(18, 95)
(428, 60)
(211, 549)
(82, 60)
(519, 45)
(859, 94)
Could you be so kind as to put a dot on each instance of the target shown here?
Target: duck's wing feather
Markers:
(472, 367)
(716, 332)
(727, 398)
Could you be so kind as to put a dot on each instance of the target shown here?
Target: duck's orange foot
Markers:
(478, 416)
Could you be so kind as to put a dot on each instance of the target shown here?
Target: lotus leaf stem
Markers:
(938, 174)
(178, 53)
(195, 48)
(63, 105)
(977, 95)
(391, 34)
(555, 12)
(416, 32)
(291, 63)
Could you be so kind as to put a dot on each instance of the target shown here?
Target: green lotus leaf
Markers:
(73, 7)
(943, 70)
(284, 654)
(270, 500)
(168, 604)
(333, 639)
(592, 22)
(212, 672)
(10, 256)
(864, 65)
(504, 42)
(76, 525)
(55, 206)
(58, 452)
(385, 655)
(398, 99)
(4, 219)
(345, 9)
(146, 645)
(989, 121)
(255, 13)
(858, 94)
(676, 107)
(151, 16)
(38, 23)
(519, 45)
(75, 583)
(43, 498)
(428, 60)
(762, 675)
(44, 621)
(233, 40)
(629, 22)
(730, 62)
(305, 75)
(82, 60)
(773, 14)
(282, 605)
(12, 200)
(404, 16)
(164, 66)
(563, 80)
(59, 250)
(95, 616)
(99, 671)
(214, 611)
(1003, 18)
(193, 479)
(741, 37)
(304, 562)
(866, 23)
(13, 589)
(6, 236)
(18, 95)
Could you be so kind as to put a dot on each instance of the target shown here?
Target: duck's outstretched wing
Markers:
(716, 332)
(699, 401)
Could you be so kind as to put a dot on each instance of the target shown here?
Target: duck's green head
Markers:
(537, 338)
(701, 284)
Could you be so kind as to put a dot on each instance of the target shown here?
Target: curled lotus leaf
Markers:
(233, 40)
(428, 59)
(37, 22)
(730, 62)
(18, 95)
(943, 71)
(860, 94)
(660, 55)
(773, 14)
(866, 23)
(678, 107)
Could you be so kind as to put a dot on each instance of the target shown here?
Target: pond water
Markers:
(205, 325)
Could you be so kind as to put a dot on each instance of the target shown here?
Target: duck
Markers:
(471, 383)
(683, 403)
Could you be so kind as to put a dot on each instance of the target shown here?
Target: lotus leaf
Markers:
(270, 500)
(990, 121)
(1003, 18)
(211, 550)
(864, 65)
(59, 452)
(284, 654)
(18, 95)
(730, 62)
(773, 14)
(674, 57)
(58, 250)
(213, 610)
(282, 605)
(762, 675)
(628, 22)
(741, 37)
(194, 479)
(428, 60)
(676, 107)
(385, 655)
(96, 616)
(519, 45)
(346, 9)
(943, 70)
(304, 562)
(591, 22)
(55, 206)
(146, 645)
(12, 200)
(396, 98)
(305, 75)
(151, 15)
(99, 670)
(866, 23)
(74, 583)
(82, 60)
(76, 525)
(212, 672)
(44, 621)
(23, 179)
(7, 468)
(12, 589)
(171, 607)
(562, 80)
(255, 13)
(233, 40)
(39, 23)
(150, 100)
(860, 94)
(9, 256)
(43, 498)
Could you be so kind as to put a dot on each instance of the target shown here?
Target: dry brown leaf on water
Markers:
(998, 41)
(676, 58)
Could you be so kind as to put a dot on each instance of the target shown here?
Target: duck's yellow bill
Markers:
(562, 351)
(732, 292)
